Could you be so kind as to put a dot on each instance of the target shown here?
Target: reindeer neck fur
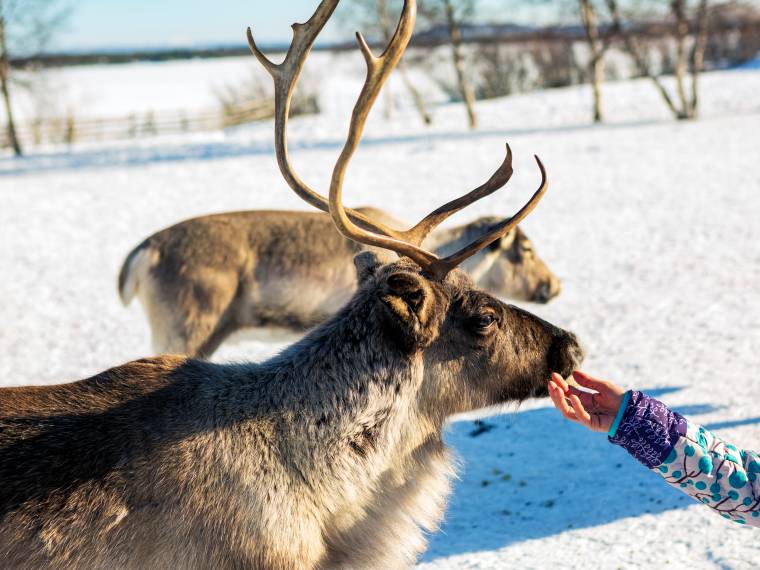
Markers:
(348, 384)
(383, 471)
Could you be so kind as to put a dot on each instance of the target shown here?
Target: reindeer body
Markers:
(169, 463)
(203, 279)
(314, 459)
(327, 456)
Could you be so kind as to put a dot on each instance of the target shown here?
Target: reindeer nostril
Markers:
(566, 355)
(542, 293)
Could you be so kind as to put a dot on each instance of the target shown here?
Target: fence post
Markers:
(70, 133)
(149, 127)
(132, 128)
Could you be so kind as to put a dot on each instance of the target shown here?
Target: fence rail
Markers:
(70, 129)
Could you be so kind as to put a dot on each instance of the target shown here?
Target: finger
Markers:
(586, 398)
(556, 394)
(589, 381)
(580, 410)
(560, 402)
(557, 378)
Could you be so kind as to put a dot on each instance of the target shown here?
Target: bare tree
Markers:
(453, 13)
(455, 33)
(598, 44)
(598, 39)
(375, 16)
(26, 27)
(5, 73)
(690, 29)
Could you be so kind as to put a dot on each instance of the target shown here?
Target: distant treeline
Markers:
(126, 56)
(474, 34)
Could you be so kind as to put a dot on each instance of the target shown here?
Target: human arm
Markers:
(688, 456)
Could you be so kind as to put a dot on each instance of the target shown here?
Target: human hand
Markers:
(596, 410)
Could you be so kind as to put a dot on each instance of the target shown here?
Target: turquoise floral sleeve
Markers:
(690, 458)
(716, 473)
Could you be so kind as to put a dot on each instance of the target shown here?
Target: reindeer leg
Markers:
(226, 325)
(203, 307)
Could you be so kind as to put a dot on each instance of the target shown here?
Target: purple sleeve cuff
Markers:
(648, 429)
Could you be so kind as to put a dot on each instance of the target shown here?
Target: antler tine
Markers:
(378, 70)
(407, 243)
(418, 233)
(285, 76)
(352, 224)
(440, 267)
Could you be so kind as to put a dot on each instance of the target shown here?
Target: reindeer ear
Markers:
(408, 288)
(368, 262)
(409, 299)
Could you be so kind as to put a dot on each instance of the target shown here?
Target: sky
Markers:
(118, 23)
(153, 23)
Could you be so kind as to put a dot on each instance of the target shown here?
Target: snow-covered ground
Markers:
(652, 224)
(120, 90)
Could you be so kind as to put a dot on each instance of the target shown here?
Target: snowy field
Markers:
(653, 226)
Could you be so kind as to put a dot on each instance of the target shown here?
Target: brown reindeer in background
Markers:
(329, 455)
(203, 279)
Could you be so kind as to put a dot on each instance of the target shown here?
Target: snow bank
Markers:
(652, 224)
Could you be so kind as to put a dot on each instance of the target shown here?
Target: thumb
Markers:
(590, 382)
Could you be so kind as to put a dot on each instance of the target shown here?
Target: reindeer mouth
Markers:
(543, 294)
(566, 354)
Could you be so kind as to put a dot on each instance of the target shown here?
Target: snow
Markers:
(101, 90)
(139, 88)
(651, 223)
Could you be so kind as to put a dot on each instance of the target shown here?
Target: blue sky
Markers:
(123, 23)
(105, 23)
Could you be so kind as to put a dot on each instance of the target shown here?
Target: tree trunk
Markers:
(455, 35)
(698, 55)
(596, 64)
(385, 27)
(419, 102)
(5, 73)
(638, 57)
(597, 76)
(681, 32)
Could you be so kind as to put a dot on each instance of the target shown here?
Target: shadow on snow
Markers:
(131, 154)
(533, 474)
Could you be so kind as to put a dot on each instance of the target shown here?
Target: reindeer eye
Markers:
(482, 323)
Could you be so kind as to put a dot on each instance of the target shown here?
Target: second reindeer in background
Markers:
(203, 279)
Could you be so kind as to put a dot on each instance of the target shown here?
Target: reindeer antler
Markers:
(285, 76)
(405, 243)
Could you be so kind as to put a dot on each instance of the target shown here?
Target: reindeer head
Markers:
(508, 267)
(517, 271)
(476, 350)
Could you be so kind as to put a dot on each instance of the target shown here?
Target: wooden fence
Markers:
(68, 130)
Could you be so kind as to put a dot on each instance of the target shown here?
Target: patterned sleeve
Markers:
(690, 458)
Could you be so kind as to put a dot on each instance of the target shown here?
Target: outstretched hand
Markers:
(596, 409)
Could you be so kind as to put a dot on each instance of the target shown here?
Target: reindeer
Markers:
(203, 279)
(329, 455)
